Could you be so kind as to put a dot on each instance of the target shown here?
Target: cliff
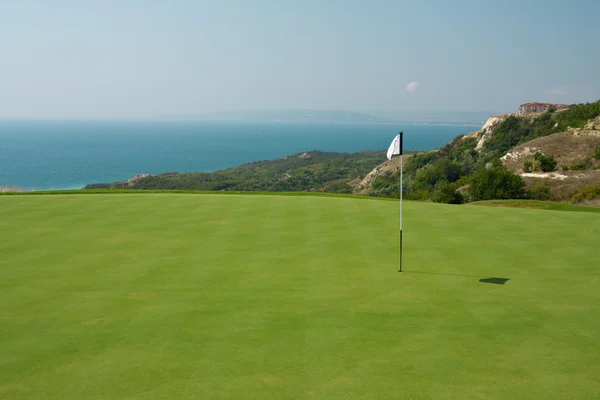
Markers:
(488, 129)
(570, 135)
(389, 167)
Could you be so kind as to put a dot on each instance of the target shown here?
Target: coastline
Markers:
(54, 155)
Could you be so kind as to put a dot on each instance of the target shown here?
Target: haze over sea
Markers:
(70, 154)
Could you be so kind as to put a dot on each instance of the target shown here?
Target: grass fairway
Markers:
(175, 296)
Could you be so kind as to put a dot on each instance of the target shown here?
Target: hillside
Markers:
(573, 150)
(308, 171)
(488, 164)
(143, 296)
(388, 167)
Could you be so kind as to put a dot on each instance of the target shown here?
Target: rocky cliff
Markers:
(488, 129)
(388, 167)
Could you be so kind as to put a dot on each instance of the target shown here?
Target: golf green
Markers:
(181, 296)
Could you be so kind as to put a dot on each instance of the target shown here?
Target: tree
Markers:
(540, 192)
(443, 169)
(544, 163)
(495, 183)
(447, 193)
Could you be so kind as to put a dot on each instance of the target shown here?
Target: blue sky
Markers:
(132, 58)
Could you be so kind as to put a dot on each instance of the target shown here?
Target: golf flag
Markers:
(395, 148)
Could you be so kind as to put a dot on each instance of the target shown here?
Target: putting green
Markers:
(177, 296)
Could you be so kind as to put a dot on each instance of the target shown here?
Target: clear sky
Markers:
(142, 58)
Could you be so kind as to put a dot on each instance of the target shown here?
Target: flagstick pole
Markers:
(401, 134)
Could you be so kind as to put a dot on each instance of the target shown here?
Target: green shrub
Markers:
(586, 193)
(577, 198)
(527, 166)
(540, 192)
(544, 163)
(447, 193)
(591, 192)
(582, 163)
(440, 170)
(386, 186)
(420, 195)
(338, 186)
(495, 184)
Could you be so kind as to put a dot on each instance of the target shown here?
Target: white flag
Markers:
(394, 149)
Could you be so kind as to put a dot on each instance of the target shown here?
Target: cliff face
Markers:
(388, 167)
(488, 129)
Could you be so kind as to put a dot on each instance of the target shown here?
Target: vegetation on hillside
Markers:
(458, 173)
(310, 171)
(586, 193)
(540, 163)
(515, 130)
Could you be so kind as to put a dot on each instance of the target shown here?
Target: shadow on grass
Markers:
(495, 281)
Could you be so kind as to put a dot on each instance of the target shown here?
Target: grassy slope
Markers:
(254, 297)
(535, 204)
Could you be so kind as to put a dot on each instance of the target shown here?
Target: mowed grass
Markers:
(175, 296)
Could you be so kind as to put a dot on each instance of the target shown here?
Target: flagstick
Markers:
(400, 270)
(396, 149)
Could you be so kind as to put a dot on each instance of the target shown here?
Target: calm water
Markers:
(59, 155)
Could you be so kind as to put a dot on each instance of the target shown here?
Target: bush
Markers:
(597, 152)
(440, 170)
(447, 193)
(338, 186)
(543, 163)
(386, 186)
(586, 193)
(540, 192)
(495, 183)
(582, 163)
(420, 195)
(577, 198)
(527, 166)
(591, 192)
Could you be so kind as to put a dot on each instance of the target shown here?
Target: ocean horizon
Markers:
(56, 154)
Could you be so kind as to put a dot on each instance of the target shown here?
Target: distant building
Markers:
(535, 107)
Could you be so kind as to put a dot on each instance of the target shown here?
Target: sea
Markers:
(45, 155)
